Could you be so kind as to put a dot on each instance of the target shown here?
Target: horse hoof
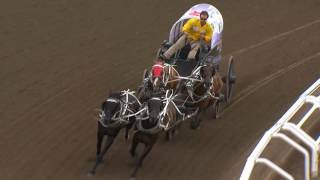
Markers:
(195, 126)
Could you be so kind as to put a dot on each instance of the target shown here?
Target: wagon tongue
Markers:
(157, 70)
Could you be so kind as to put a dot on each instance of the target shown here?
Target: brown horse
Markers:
(207, 92)
(162, 77)
(170, 121)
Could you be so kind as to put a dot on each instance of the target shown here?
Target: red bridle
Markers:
(157, 70)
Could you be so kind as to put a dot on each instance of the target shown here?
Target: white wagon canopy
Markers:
(215, 20)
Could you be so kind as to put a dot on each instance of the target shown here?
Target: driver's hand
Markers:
(202, 36)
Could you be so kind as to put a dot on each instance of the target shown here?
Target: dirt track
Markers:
(58, 59)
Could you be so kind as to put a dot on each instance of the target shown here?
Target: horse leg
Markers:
(134, 145)
(195, 122)
(100, 136)
(146, 151)
(132, 151)
(109, 142)
(126, 136)
(169, 134)
(176, 128)
(128, 127)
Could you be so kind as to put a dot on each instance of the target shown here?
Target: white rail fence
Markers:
(310, 96)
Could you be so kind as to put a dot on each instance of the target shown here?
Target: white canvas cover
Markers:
(215, 20)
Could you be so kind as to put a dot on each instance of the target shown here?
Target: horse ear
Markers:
(103, 105)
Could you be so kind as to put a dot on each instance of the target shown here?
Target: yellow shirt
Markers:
(193, 28)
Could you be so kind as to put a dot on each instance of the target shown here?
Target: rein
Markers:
(166, 76)
(193, 77)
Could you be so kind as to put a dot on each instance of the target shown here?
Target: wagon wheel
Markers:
(216, 108)
(230, 80)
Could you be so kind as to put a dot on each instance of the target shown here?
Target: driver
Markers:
(194, 32)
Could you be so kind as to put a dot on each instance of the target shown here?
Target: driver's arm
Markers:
(187, 28)
(209, 31)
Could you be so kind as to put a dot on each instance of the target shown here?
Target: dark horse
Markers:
(206, 92)
(148, 131)
(110, 122)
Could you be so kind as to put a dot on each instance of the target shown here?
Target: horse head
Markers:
(157, 76)
(155, 107)
(207, 72)
(109, 108)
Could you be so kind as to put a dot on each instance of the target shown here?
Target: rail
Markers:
(310, 96)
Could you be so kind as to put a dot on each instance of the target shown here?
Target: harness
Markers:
(196, 74)
(158, 71)
(161, 125)
(146, 113)
(113, 100)
(121, 117)
(169, 98)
